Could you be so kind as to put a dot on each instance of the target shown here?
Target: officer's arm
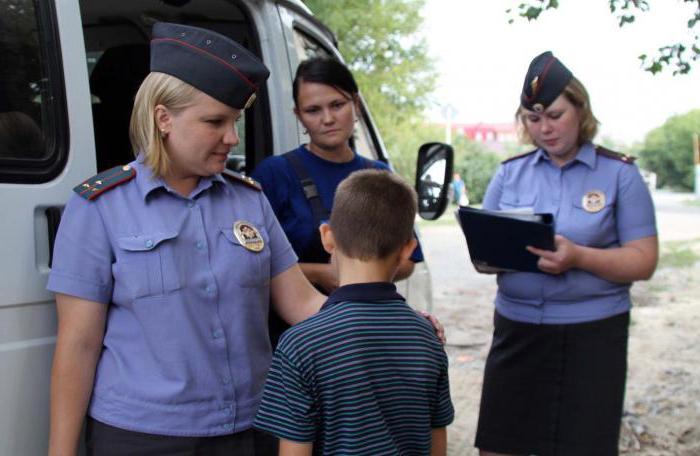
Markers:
(293, 296)
(290, 448)
(81, 326)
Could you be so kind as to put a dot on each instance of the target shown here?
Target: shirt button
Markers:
(209, 289)
(199, 245)
(218, 333)
(190, 204)
(149, 243)
(228, 411)
(225, 379)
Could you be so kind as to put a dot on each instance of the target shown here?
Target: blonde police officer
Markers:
(163, 270)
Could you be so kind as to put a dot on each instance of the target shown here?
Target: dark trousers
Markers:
(104, 440)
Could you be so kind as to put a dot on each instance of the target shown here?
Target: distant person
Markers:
(459, 191)
(554, 380)
(366, 375)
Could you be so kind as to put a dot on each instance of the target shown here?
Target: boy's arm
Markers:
(438, 446)
(291, 448)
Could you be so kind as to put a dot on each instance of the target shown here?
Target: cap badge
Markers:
(537, 107)
(593, 201)
(248, 236)
(250, 101)
(533, 84)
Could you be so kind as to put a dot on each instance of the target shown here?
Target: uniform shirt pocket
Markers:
(145, 266)
(515, 200)
(247, 268)
(592, 228)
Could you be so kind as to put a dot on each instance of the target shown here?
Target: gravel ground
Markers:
(662, 407)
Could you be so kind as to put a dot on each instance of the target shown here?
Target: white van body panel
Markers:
(27, 310)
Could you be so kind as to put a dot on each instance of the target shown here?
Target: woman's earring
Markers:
(163, 134)
(305, 131)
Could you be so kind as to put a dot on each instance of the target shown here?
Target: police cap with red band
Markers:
(546, 78)
(208, 61)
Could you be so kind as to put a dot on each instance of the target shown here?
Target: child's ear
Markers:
(408, 248)
(327, 238)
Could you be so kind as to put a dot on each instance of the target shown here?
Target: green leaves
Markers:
(677, 57)
(668, 151)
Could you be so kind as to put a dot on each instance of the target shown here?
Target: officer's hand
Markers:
(561, 260)
(439, 329)
(326, 278)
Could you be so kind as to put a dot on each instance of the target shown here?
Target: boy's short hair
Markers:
(373, 214)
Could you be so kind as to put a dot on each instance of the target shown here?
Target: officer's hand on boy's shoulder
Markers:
(439, 329)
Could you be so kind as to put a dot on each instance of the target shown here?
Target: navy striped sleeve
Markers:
(287, 409)
(442, 412)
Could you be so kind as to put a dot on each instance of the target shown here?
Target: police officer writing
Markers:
(301, 183)
(164, 268)
(555, 375)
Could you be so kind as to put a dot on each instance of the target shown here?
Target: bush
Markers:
(476, 165)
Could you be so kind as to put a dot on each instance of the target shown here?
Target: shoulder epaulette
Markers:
(240, 178)
(519, 156)
(615, 155)
(106, 180)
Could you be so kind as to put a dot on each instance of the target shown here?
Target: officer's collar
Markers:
(364, 292)
(586, 155)
(148, 182)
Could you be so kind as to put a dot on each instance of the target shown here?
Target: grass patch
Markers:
(678, 254)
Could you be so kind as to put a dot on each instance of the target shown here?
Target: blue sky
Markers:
(482, 60)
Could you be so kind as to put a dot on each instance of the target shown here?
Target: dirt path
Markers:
(662, 407)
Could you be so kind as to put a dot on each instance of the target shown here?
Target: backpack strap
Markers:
(309, 187)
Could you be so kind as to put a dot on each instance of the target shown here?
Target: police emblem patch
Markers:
(593, 201)
(248, 236)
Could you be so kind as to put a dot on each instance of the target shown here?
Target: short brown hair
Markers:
(577, 95)
(373, 214)
(156, 89)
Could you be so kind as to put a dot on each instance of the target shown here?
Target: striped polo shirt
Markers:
(366, 375)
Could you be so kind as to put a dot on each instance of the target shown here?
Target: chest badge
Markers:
(248, 236)
(593, 201)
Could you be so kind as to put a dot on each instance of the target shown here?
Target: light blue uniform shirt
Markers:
(534, 181)
(186, 347)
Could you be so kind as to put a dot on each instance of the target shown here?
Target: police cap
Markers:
(546, 78)
(208, 61)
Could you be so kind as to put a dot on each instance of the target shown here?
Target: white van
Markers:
(68, 73)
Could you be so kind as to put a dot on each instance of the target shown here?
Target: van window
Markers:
(117, 38)
(363, 141)
(32, 108)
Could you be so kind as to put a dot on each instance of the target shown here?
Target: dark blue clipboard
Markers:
(498, 240)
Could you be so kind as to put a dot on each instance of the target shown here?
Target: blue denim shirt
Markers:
(534, 181)
(186, 348)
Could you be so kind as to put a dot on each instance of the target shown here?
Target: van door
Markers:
(310, 39)
(46, 147)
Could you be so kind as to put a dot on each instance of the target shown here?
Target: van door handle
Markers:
(53, 218)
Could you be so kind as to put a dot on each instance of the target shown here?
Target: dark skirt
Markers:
(104, 440)
(554, 389)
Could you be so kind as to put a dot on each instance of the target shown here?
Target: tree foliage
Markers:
(476, 165)
(381, 43)
(677, 56)
(668, 151)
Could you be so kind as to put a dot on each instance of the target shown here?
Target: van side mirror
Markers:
(433, 175)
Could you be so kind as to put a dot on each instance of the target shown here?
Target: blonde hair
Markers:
(577, 95)
(156, 89)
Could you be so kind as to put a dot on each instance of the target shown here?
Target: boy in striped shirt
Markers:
(366, 375)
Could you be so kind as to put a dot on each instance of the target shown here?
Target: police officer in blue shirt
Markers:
(164, 268)
(555, 375)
